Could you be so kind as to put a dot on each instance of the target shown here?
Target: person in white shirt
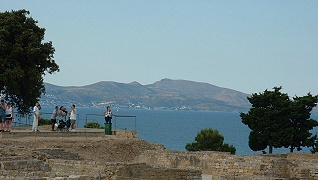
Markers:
(36, 114)
(73, 118)
(9, 116)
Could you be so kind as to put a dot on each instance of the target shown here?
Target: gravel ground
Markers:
(96, 149)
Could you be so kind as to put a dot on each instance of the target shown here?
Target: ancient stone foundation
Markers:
(162, 164)
(20, 162)
(224, 166)
(17, 167)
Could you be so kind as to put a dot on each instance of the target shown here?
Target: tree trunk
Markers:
(270, 150)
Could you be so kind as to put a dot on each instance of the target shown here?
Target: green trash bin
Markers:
(108, 128)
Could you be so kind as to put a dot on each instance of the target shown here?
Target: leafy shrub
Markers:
(210, 140)
(45, 121)
(93, 125)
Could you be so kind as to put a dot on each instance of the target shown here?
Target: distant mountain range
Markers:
(164, 94)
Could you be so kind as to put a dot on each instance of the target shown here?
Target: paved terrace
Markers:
(45, 131)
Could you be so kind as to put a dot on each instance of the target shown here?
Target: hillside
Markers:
(164, 94)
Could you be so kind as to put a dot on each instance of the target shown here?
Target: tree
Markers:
(267, 118)
(277, 121)
(24, 59)
(210, 140)
(301, 123)
(257, 141)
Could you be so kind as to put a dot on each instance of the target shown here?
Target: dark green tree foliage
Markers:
(210, 140)
(257, 141)
(301, 123)
(267, 118)
(24, 59)
(277, 121)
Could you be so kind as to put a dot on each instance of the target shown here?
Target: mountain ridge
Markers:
(164, 94)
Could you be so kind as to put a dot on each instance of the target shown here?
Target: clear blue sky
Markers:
(247, 46)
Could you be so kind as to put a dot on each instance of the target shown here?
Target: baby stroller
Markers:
(64, 125)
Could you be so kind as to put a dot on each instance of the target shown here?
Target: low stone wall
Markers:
(156, 164)
(82, 132)
(303, 165)
(226, 166)
(165, 164)
(18, 167)
(140, 171)
(22, 163)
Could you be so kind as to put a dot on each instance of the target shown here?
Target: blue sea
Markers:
(174, 129)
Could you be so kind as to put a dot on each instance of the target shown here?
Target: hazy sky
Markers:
(247, 46)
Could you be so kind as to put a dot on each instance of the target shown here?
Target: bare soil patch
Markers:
(78, 148)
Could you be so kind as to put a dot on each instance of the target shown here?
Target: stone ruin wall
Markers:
(22, 168)
(223, 166)
(129, 171)
(167, 164)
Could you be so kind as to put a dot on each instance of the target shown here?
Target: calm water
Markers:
(174, 129)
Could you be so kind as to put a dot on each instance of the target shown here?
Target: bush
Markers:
(93, 125)
(210, 140)
(45, 121)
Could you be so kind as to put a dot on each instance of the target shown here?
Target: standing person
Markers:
(2, 115)
(63, 112)
(108, 115)
(73, 118)
(53, 117)
(36, 114)
(39, 119)
(9, 116)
